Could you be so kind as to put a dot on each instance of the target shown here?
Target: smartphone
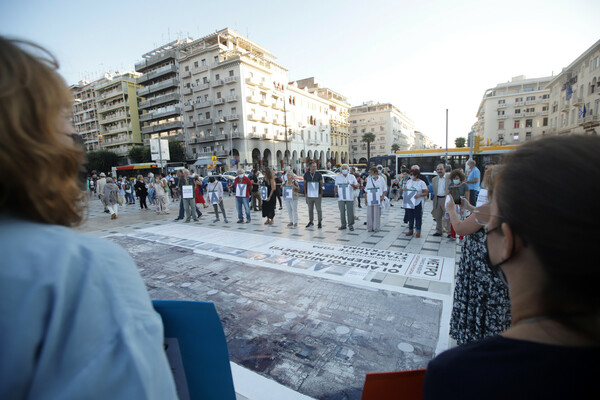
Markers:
(454, 192)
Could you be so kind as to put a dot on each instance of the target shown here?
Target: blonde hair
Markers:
(33, 103)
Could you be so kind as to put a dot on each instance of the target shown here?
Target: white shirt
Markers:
(418, 186)
(380, 184)
(348, 179)
(441, 186)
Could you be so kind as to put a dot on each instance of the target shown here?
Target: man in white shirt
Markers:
(440, 188)
(345, 183)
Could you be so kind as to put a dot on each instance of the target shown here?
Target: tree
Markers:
(176, 151)
(101, 160)
(460, 142)
(368, 138)
(395, 147)
(139, 154)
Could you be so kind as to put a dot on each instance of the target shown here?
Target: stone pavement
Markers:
(315, 333)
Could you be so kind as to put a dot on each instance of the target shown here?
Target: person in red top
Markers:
(242, 187)
(199, 196)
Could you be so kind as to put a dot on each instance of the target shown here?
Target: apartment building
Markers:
(338, 149)
(85, 117)
(575, 96)
(161, 109)
(117, 109)
(514, 112)
(423, 141)
(389, 125)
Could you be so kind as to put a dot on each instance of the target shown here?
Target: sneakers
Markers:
(437, 234)
(290, 224)
(351, 228)
(341, 228)
(248, 221)
(240, 221)
(319, 226)
(196, 220)
(309, 225)
(225, 219)
(187, 221)
(216, 220)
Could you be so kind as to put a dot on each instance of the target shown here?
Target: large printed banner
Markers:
(350, 261)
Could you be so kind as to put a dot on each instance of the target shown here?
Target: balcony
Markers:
(219, 101)
(519, 103)
(503, 105)
(217, 82)
(256, 135)
(263, 102)
(264, 120)
(278, 105)
(503, 116)
(173, 82)
(159, 100)
(252, 99)
(111, 93)
(186, 74)
(529, 114)
(200, 69)
(187, 91)
(207, 121)
(233, 117)
(110, 131)
(162, 127)
(264, 86)
(155, 59)
(565, 107)
(530, 102)
(202, 104)
(189, 107)
(114, 117)
(190, 124)
(233, 97)
(167, 69)
(590, 119)
(544, 112)
(112, 106)
(577, 100)
(252, 81)
(253, 117)
(277, 121)
(222, 153)
(202, 86)
(230, 79)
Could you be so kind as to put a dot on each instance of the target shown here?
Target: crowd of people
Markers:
(77, 320)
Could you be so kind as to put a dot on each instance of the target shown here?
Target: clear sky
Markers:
(424, 56)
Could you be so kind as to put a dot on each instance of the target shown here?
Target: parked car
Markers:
(328, 181)
(224, 179)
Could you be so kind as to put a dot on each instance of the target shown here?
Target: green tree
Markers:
(176, 151)
(368, 138)
(395, 147)
(460, 142)
(101, 160)
(139, 154)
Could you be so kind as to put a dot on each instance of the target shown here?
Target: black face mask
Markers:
(495, 268)
(211, 180)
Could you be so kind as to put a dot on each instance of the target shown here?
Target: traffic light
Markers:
(100, 138)
(477, 144)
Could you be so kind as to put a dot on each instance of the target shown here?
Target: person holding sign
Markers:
(290, 198)
(375, 189)
(243, 187)
(313, 190)
(416, 191)
(345, 183)
(268, 196)
(214, 191)
(187, 186)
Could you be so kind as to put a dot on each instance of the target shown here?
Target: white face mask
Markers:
(456, 181)
(240, 175)
(345, 171)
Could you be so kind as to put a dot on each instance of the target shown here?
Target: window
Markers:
(204, 62)
(187, 68)
(207, 115)
(218, 95)
(233, 110)
(216, 59)
(500, 113)
(528, 123)
(500, 124)
(231, 73)
(220, 114)
(205, 80)
(530, 98)
(232, 92)
(517, 112)
(545, 122)
(205, 97)
(516, 137)
(518, 100)
(217, 77)
(502, 101)
(517, 124)
(195, 64)
(527, 136)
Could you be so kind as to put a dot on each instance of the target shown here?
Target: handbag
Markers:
(385, 203)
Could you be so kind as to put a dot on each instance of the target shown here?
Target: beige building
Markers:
(85, 117)
(575, 96)
(423, 141)
(514, 112)
(117, 108)
(161, 106)
(389, 125)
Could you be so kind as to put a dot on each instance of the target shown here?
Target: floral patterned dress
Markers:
(481, 305)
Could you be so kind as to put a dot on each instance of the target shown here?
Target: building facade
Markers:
(161, 108)
(389, 125)
(575, 96)
(423, 141)
(117, 108)
(85, 117)
(514, 112)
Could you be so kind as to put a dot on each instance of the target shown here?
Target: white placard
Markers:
(264, 193)
(188, 191)
(373, 196)
(312, 189)
(213, 197)
(482, 198)
(288, 193)
(240, 190)
(409, 200)
(345, 192)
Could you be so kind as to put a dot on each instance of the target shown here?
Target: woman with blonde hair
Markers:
(76, 320)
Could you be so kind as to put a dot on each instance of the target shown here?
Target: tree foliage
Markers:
(176, 151)
(368, 138)
(395, 147)
(101, 160)
(139, 154)
(460, 142)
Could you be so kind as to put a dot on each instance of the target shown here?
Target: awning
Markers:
(207, 161)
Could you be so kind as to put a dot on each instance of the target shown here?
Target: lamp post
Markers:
(285, 130)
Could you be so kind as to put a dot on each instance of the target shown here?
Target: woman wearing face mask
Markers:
(414, 215)
(375, 189)
(545, 251)
(268, 208)
(215, 188)
(481, 307)
(457, 179)
(345, 183)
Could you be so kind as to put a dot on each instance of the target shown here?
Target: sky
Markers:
(422, 56)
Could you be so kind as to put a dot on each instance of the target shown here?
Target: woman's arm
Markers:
(273, 187)
(464, 227)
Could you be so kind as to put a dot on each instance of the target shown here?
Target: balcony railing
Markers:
(591, 118)
(217, 82)
(503, 105)
(200, 69)
(220, 101)
(519, 103)
(160, 114)
(202, 104)
(529, 114)
(189, 107)
(252, 99)
(186, 74)
(207, 121)
(252, 81)
(111, 93)
(187, 91)
(233, 97)
(230, 79)
(114, 117)
(233, 117)
(156, 73)
(503, 116)
(190, 124)
(173, 82)
(159, 100)
(202, 86)
(148, 62)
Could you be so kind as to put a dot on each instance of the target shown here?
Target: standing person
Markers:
(375, 189)
(162, 198)
(256, 199)
(359, 188)
(111, 198)
(71, 303)
(278, 183)
(481, 306)
(128, 185)
(313, 196)
(215, 188)
(243, 188)
(415, 215)
(388, 181)
(187, 188)
(345, 184)
(141, 191)
(292, 204)
(552, 347)
(473, 179)
(100, 188)
(268, 205)
(457, 179)
(199, 192)
(440, 189)
(177, 191)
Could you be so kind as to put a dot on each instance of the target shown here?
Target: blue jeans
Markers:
(242, 202)
(415, 216)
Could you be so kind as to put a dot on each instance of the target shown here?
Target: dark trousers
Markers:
(143, 201)
(182, 212)
(473, 197)
(415, 216)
